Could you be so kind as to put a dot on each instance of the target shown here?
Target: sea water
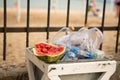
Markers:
(59, 4)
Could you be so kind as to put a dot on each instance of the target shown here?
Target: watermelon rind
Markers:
(49, 58)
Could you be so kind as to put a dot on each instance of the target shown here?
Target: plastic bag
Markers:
(91, 39)
(87, 41)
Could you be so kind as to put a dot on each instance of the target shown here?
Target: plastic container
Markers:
(71, 54)
(99, 54)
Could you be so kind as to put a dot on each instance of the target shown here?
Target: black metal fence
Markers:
(49, 29)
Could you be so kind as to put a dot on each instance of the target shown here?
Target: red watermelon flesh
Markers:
(48, 52)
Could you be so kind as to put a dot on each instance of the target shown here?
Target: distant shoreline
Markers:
(53, 10)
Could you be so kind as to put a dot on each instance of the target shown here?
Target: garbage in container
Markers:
(83, 44)
(85, 41)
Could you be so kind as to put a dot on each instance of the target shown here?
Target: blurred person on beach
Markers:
(117, 7)
(92, 8)
(15, 6)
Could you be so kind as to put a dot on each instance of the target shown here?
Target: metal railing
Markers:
(49, 29)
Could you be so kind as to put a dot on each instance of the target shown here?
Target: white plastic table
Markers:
(74, 70)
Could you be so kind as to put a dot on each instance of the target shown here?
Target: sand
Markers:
(16, 42)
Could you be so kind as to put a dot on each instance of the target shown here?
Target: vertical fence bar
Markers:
(118, 32)
(48, 20)
(103, 19)
(28, 23)
(86, 12)
(5, 25)
(68, 13)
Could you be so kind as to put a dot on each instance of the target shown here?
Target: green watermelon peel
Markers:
(48, 52)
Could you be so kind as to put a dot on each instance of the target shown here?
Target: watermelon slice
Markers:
(48, 52)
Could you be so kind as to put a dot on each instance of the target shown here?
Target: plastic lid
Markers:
(75, 50)
(91, 55)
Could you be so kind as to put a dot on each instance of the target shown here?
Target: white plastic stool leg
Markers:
(30, 70)
(105, 76)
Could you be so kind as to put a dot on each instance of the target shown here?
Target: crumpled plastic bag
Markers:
(89, 39)
(86, 40)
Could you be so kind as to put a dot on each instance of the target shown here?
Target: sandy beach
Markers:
(16, 41)
(58, 18)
